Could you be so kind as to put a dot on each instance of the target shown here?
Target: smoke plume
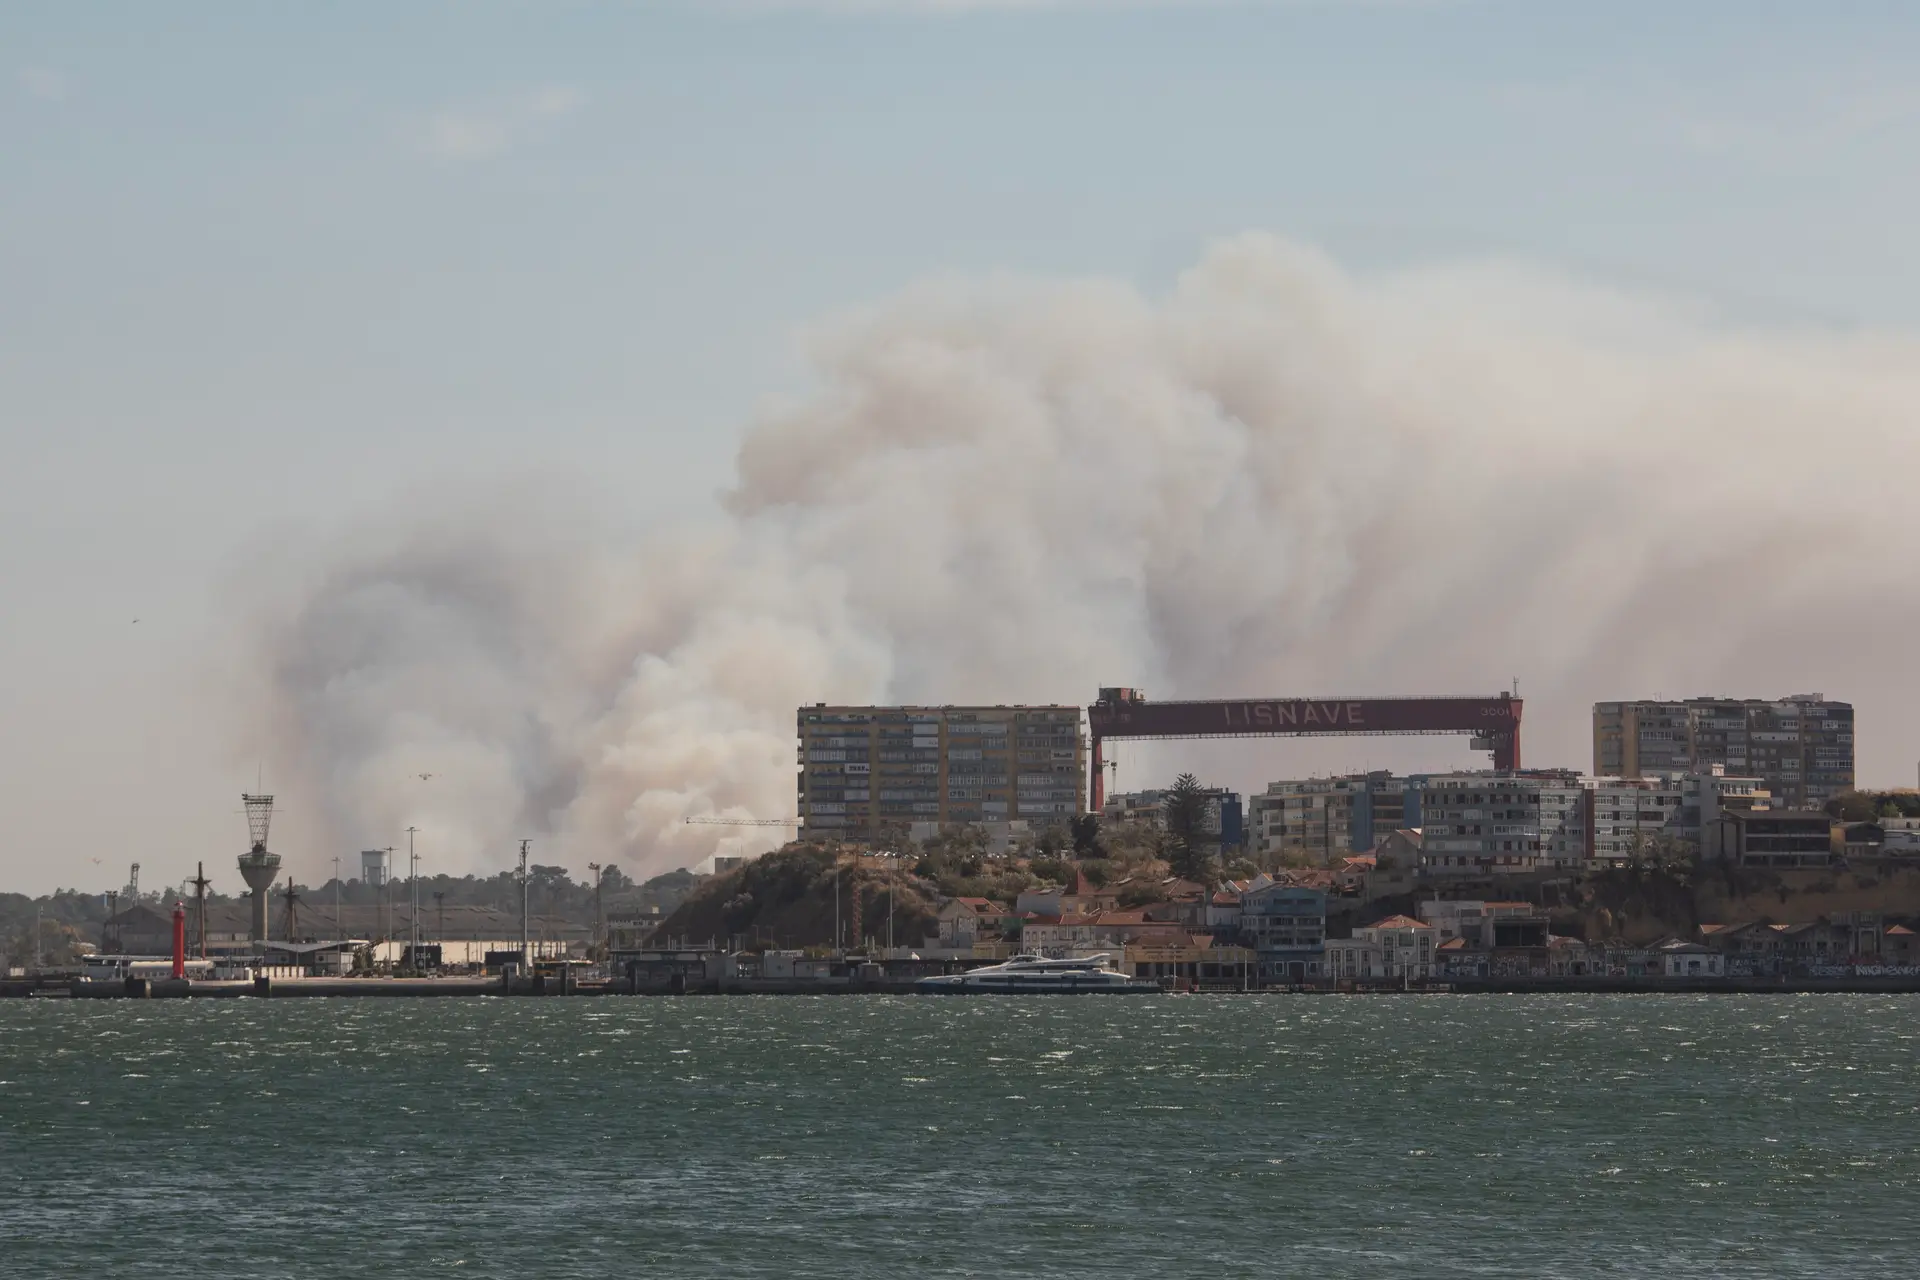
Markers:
(1279, 478)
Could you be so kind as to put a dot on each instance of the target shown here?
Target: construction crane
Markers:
(744, 822)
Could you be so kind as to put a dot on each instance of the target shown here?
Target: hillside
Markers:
(786, 899)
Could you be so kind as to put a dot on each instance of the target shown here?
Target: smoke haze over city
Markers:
(1280, 477)
(549, 403)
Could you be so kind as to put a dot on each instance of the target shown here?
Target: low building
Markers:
(1487, 926)
(1574, 958)
(1193, 960)
(1781, 838)
(1690, 960)
(1398, 947)
(965, 921)
(1458, 958)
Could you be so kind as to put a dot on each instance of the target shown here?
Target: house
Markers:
(1047, 900)
(1353, 874)
(1396, 863)
(1103, 931)
(1088, 898)
(965, 921)
(1223, 910)
(1900, 945)
(1287, 926)
(1573, 958)
(1902, 843)
(1396, 947)
(1862, 839)
(1680, 959)
(1458, 958)
(1814, 942)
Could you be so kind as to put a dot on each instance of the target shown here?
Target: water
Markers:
(899, 1137)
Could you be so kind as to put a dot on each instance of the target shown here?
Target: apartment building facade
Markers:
(1329, 818)
(1224, 819)
(1800, 747)
(872, 774)
(1487, 823)
(1633, 816)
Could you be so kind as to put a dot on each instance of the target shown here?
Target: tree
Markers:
(1190, 847)
(1085, 830)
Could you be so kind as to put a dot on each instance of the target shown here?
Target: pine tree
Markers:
(1190, 847)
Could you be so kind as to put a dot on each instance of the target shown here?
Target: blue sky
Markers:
(267, 272)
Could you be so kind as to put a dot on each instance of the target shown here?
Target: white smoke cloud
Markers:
(1281, 478)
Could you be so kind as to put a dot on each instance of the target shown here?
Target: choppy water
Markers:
(898, 1137)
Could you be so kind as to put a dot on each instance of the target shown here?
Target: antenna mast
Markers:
(526, 897)
(200, 883)
(413, 900)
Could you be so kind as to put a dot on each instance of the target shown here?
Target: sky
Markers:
(275, 279)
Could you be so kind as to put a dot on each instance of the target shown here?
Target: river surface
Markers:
(895, 1137)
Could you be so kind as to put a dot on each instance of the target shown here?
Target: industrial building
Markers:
(1800, 747)
(877, 774)
(465, 933)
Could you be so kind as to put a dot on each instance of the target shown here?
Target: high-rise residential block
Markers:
(1503, 823)
(874, 774)
(1330, 818)
(1800, 747)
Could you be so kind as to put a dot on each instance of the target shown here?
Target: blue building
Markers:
(1286, 925)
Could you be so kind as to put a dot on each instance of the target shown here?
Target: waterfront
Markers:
(897, 1137)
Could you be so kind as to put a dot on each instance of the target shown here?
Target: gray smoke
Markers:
(1280, 478)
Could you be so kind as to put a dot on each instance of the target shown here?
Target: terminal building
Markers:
(1800, 747)
(880, 774)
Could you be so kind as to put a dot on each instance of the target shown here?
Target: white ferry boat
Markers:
(1034, 975)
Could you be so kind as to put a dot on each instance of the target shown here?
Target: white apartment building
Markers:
(1633, 814)
(1487, 823)
(1396, 947)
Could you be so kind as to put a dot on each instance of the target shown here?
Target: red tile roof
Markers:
(1399, 922)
